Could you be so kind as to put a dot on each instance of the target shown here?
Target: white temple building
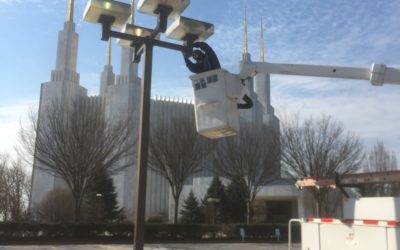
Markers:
(120, 94)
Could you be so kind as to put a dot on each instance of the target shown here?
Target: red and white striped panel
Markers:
(379, 223)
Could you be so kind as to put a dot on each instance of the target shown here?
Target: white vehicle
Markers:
(367, 223)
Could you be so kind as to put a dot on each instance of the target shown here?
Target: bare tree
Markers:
(176, 151)
(319, 147)
(75, 141)
(251, 158)
(3, 187)
(18, 190)
(14, 189)
(381, 159)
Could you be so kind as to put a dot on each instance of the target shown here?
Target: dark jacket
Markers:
(210, 60)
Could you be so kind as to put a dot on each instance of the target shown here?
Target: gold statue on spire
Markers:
(70, 11)
(245, 48)
(262, 42)
(132, 17)
(109, 52)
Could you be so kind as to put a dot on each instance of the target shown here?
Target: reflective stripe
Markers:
(354, 222)
(370, 222)
(393, 223)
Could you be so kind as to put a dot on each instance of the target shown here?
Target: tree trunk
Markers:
(77, 210)
(176, 199)
(17, 215)
(319, 205)
(318, 200)
(248, 212)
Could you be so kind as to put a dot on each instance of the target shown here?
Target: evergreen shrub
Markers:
(38, 233)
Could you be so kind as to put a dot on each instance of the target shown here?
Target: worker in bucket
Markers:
(205, 59)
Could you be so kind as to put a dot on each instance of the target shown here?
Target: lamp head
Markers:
(150, 6)
(135, 31)
(114, 9)
(184, 27)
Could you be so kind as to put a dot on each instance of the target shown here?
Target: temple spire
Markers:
(128, 69)
(107, 77)
(245, 48)
(67, 50)
(109, 52)
(262, 42)
(132, 18)
(70, 12)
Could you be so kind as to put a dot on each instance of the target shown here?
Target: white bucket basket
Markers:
(216, 94)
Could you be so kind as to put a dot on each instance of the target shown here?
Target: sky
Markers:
(354, 33)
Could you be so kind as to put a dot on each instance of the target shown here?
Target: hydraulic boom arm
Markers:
(377, 75)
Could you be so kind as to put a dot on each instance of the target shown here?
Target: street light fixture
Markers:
(96, 10)
(110, 14)
(151, 7)
(189, 29)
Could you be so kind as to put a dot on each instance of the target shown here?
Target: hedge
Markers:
(31, 232)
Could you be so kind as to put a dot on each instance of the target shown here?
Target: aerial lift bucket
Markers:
(216, 94)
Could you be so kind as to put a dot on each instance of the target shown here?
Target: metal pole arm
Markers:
(377, 75)
(350, 180)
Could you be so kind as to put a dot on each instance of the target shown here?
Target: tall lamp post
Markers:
(99, 206)
(213, 201)
(109, 14)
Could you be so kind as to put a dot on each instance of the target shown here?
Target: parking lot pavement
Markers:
(219, 246)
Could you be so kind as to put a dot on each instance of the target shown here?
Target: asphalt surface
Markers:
(237, 246)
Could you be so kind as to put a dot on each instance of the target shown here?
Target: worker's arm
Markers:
(210, 53)
(195, 68)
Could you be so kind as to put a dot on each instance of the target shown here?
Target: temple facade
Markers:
(119, 97)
